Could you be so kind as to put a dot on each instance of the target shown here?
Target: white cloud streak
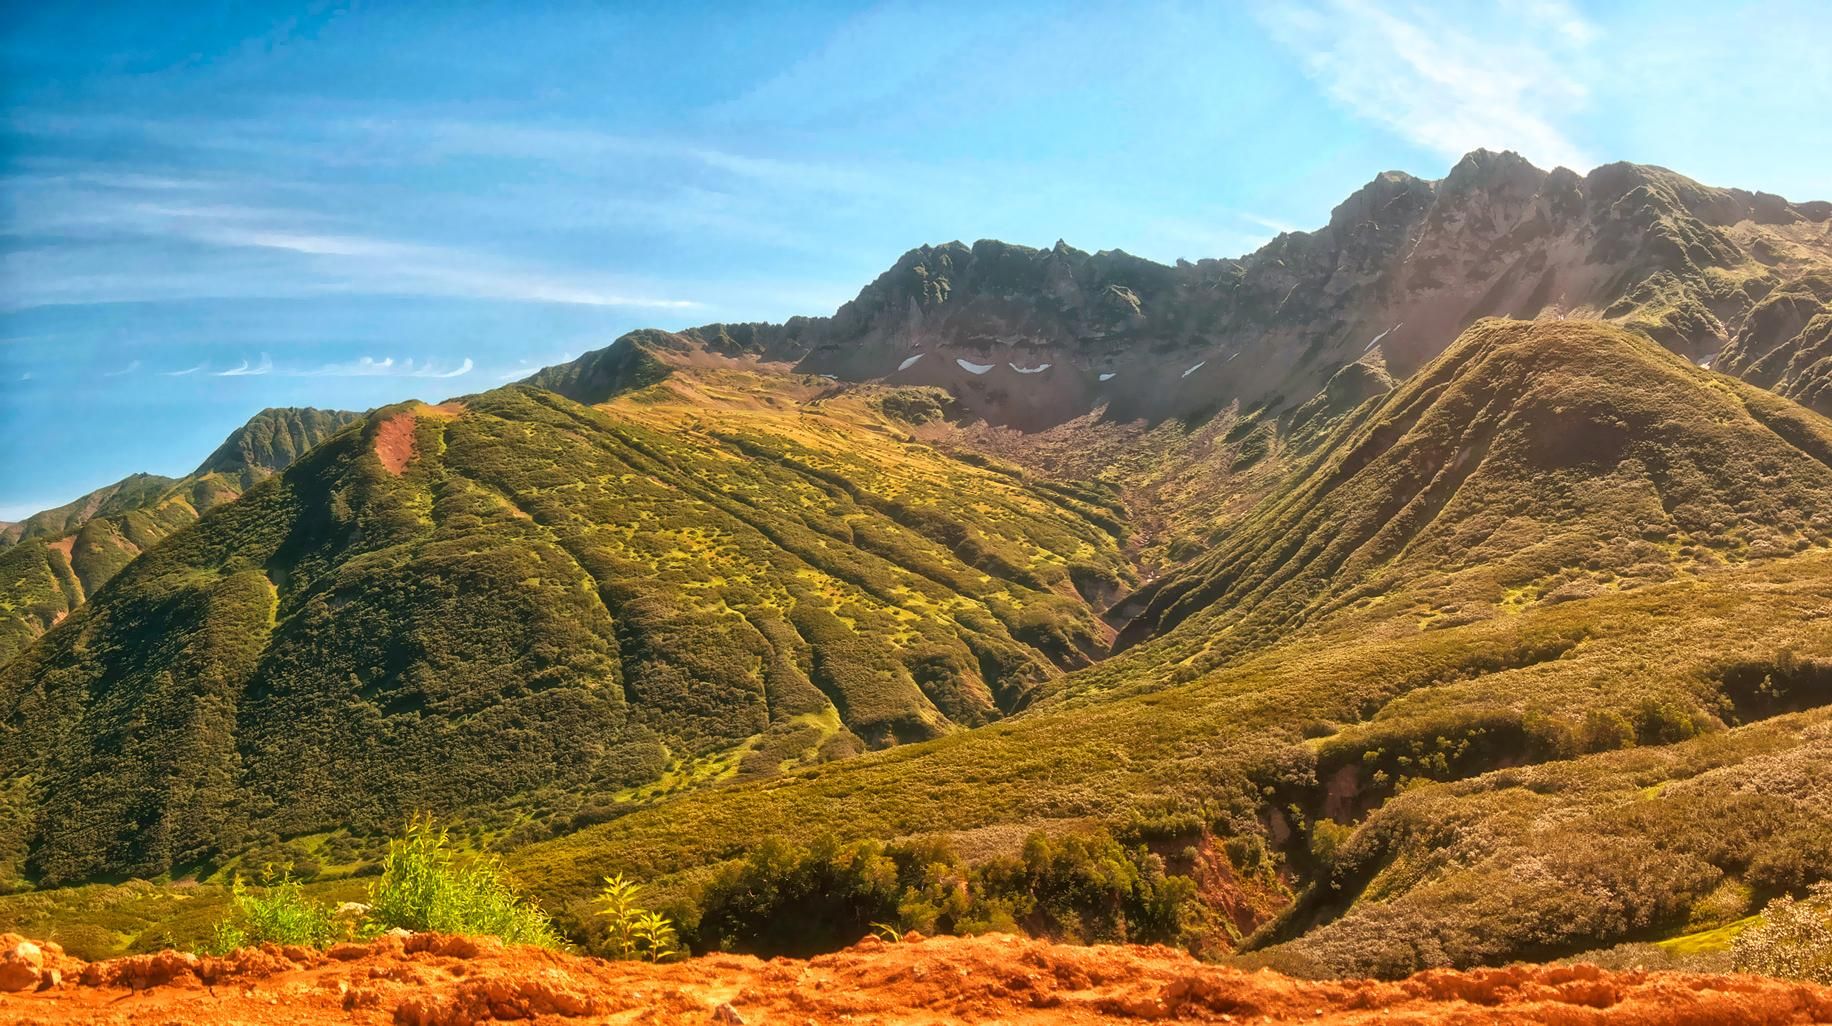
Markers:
(306, 257)
(266, 366)
(370, 367)
(122, 371)
(1500, 83)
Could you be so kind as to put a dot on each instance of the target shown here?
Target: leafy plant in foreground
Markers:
(633, 932)
(426, 885)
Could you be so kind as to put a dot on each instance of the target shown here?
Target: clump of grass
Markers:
(426, 885)
(278, 913)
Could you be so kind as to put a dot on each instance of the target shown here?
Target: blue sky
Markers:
(206, 209)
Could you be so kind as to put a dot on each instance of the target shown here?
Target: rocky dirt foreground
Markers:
(427, 979)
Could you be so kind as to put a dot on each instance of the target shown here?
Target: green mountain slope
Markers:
(1288, 709)
(129, 493)
(58, 557)
(1532, 462)
(1414, 578)
(513, 604)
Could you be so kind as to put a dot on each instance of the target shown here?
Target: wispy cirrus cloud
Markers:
(266, 366)
(1505, 81)
(387, 366)
(185, 371)
(83, 232)
(122, 371)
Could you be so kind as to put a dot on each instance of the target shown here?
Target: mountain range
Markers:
(1428, 589)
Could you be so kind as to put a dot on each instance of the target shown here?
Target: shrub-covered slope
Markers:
(1637, 551)
(518, 598)
(1533, 462)
(57, 557)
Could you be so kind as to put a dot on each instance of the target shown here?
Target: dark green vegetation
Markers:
(528, 610)
(51, 561)
(1480, 640)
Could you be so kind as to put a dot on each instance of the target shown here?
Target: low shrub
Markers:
(278, 913)
(1793, 939)
(426, 885)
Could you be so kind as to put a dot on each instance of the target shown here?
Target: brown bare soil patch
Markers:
(394, 442)
(65, 545)
(434, 980)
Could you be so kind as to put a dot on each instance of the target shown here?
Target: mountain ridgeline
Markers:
(1392, 572)
(1033, 338)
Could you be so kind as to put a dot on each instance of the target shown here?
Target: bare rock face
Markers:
(21, 962)
(1032, 338)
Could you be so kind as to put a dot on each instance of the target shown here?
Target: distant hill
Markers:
(52, 560)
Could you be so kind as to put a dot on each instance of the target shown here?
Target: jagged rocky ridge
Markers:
(1032, 338)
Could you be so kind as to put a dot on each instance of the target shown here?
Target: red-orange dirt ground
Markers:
(428, 979)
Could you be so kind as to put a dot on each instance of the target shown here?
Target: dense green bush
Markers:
(783, 899)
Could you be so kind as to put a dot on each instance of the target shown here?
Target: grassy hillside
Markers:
(1533, 463)
(58, 557)
(1578, 458)
(519, 609)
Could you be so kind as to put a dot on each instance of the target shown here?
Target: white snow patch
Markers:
(1382, 335)
(1108, 377)
(831, 377)
(1230, 358)
(1039, 369)
(911, 362)
(1705, 364)
(1192, 370)
(973, 368)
